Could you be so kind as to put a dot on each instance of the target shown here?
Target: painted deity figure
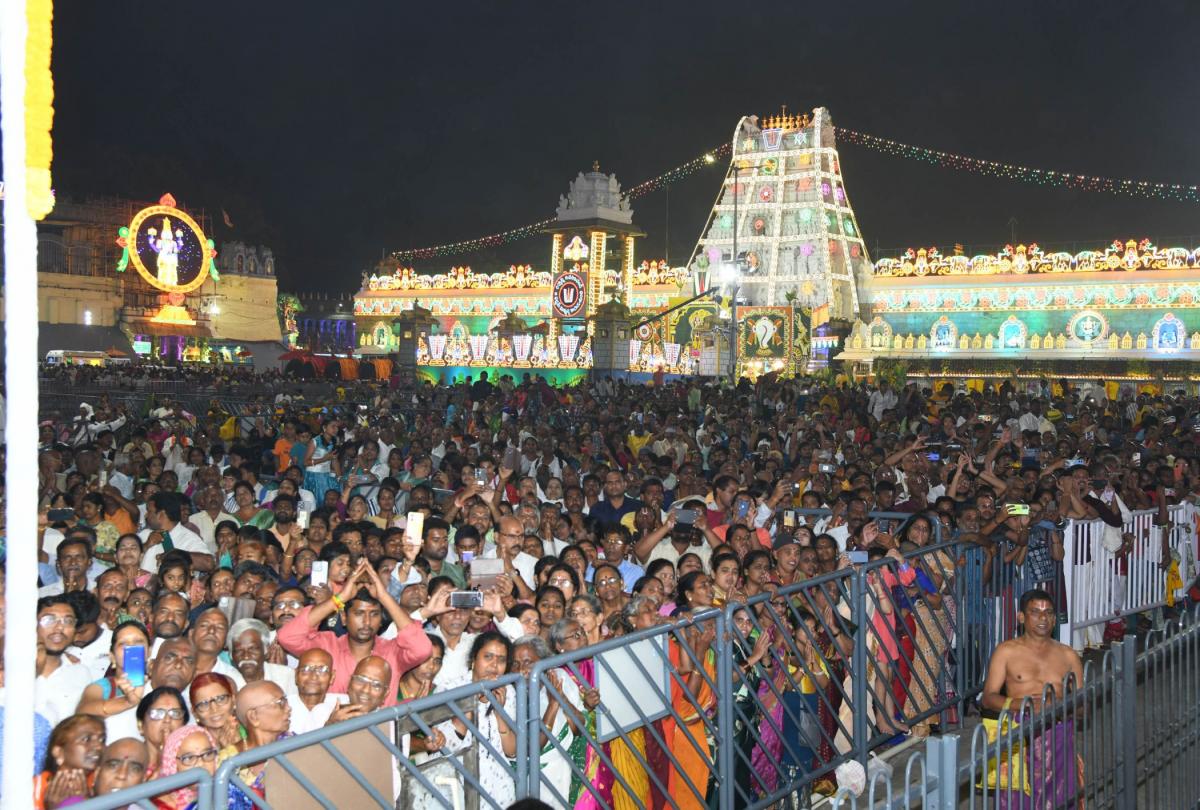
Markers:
(764, 332)
(167, 248)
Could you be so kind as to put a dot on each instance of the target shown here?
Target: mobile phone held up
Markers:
(1017, 509)
(685, 517)
(466, 600)
(133, 663)
(320, 574)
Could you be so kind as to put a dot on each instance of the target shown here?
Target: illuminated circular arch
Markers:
(135, 230)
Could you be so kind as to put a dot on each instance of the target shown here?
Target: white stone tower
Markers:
(796, 232)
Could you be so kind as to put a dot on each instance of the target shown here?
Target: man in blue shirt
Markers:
(615, 505)
(616, 542)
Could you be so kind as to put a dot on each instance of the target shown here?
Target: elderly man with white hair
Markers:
(248, 643)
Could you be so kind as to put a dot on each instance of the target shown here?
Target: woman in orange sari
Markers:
(687, 738)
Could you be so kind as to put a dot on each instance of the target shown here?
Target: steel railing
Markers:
(682, 719)
(1127, 737)
(1102, 586)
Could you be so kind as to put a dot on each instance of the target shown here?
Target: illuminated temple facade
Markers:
(528, 318)
(1105, 312)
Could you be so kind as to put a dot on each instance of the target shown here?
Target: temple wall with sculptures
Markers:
(1130, 300)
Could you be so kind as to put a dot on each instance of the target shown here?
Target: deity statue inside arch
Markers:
(167, 248)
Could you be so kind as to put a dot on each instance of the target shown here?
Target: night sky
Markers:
(333, 132)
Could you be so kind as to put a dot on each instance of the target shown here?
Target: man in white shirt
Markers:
(881, 401)
(163, 516)
(1032, 418)
(311, 701)
(451, 628)
(75, 568)
(510, 534)
(248, 644)
(59, 683)
(209, 515)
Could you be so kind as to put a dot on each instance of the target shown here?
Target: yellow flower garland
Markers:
(39, 107)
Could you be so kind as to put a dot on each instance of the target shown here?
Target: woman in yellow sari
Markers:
(687, 738)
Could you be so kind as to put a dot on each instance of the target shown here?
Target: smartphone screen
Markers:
(466, 599)
(302, 519)
(857, 557)
(414, 528)
(320, 573)
(133, 662)
(743, 508)
(512, 458)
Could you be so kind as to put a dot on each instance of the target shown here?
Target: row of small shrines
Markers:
(1113, 342)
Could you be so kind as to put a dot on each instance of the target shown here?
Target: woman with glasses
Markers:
(161, 711)
(559, 700)
(586, 611)
(574, 558)
(212, 695)
(567, 635)
(530, 619)
(565, 578)
(185, 748)
(687, 737)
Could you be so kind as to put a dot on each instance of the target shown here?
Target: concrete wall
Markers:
(247, 307)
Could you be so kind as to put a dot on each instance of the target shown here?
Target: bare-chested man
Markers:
(1023, 668)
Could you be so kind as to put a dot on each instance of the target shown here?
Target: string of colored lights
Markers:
(1008, 171)
(525, 231)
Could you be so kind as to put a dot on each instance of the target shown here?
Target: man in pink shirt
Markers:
(362, 601)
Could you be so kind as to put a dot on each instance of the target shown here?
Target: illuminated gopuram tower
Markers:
(795, 231)
(592, 246)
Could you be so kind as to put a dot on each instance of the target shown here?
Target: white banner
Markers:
(479, 346)
(437, 346)
(635, 352)
(671, 351)
(521, 347)
(567, 344)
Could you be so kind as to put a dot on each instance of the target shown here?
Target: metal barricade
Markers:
(688, 716)
(1168, 723)
(143, 794)
(791, 712)
(1102, 585)
(475, 769)
(655, 731)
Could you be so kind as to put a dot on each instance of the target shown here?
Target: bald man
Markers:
(313, 702)
(368, 689)
(122, 765)
(263, 710)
